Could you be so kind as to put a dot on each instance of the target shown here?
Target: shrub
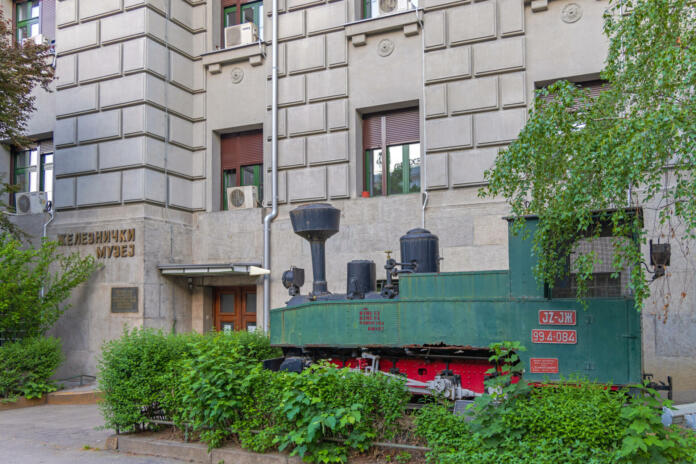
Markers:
(136, 372)
(219, 383)
(574, 422)
(326, 402)
(27, 365)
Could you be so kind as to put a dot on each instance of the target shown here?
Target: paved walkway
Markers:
(57, 434)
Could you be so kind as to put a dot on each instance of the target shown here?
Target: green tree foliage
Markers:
(633, 144)
(34, 283)
(22, 67)
(26, 367)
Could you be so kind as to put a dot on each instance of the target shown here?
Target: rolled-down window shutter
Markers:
(402, 127)
(595, 88)
(372, 132)
(46, 146)
(241, 149)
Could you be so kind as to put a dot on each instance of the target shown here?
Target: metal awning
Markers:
(203, 270)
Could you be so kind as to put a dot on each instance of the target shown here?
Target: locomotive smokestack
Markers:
(316, 223)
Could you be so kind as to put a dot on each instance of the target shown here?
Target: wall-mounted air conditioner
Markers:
(392, 6)
(38, 39)
(30, 202)
(242, 197)
(241, 34)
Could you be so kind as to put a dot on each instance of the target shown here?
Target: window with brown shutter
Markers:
(595, 88)
(241, 161)
(391, 145)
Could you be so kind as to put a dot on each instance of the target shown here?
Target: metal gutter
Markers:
(274, 171)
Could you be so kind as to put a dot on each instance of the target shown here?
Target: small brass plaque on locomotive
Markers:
(124, 299)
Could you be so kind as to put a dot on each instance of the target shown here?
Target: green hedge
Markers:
(136, 373)
(26, 367)
(215, 386)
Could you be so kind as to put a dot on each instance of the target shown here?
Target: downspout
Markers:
(274, 171)
(424, 164)
(49, 210)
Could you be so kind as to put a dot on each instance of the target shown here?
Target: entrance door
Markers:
(235, 308)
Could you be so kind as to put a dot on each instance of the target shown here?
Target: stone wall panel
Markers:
(449, 133)
(99, 189)
(499, 56)
(327, 84)
(306, 55)
(499, 127)
(472, 23)
(75, 160)
(99, 126)
(329, 148)
(339, 181)
(448, 64)
(307, 184)
(471, 95)
(468, 166)
(307, 119)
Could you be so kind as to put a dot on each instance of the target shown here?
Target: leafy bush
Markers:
(324, 401)
(574, 422)
(135, 373)
(27, 365)
(225, 392)
(219, 383)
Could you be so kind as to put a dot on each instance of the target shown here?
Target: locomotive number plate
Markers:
(563, 337)
(556, 317)
(543, 365)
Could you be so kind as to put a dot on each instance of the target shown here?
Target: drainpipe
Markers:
(274, 172)
(424, 163)
(49, 210)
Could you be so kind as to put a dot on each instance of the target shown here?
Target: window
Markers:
(28, 20)
(392, 155)
(376, 8)
(32, 170)
(235, 12)
(241, 157)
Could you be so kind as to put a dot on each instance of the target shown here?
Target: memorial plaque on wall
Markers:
(124, 299)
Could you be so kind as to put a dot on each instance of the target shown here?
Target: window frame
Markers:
(237, 7)
(39, 168)
(19, 24)
(389, 123)
(237, 162)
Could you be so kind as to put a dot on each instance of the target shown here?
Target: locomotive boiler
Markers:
(434, 328)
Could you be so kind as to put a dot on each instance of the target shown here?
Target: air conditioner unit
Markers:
(242, 197)
(30, 202)
(38, 39)
(241, 34)
(392, 6)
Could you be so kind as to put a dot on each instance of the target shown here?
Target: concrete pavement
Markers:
(59, 434)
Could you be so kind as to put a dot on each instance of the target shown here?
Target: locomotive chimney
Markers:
(315, 223)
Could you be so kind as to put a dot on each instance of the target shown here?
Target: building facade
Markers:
(156, 117)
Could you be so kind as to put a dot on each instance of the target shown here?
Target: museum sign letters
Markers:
(119, 243)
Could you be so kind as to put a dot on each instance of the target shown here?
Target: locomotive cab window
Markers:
(392, 153)
(607, 280)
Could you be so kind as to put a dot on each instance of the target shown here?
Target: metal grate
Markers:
(604, 283)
